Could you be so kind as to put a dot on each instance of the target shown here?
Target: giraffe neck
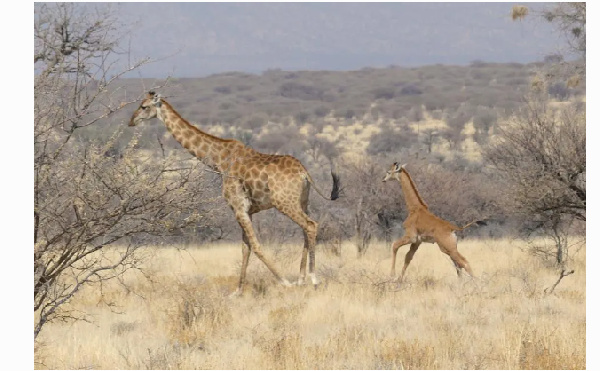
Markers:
(213, 151)
(411, 195)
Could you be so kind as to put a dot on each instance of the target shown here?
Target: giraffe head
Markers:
(147, 110)
(394, 172)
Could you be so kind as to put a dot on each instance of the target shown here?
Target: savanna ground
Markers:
(176, 313)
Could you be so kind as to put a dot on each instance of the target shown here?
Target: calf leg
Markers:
(404, 240)
(448, 246)
(409, 255)
(461, 261)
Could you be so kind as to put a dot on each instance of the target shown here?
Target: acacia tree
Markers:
(373, 209)
(569, 18)
(541, 156)
(541, 153)
(87, 195)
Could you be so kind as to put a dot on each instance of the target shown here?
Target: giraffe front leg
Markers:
(245, 222)
(245, 259)
(404, 240)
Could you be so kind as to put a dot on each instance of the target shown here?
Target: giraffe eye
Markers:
(144, 107)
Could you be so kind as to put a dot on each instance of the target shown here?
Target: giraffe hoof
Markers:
(315, 280)
(300, 282)
(286, 283)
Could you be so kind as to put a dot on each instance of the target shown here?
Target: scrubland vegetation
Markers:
(136, 252)
(431, 109)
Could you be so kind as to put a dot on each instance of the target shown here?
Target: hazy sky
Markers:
(196, 39)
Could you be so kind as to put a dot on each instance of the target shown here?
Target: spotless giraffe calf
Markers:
(422, 225)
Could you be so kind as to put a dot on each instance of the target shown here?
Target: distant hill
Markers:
(205, 38)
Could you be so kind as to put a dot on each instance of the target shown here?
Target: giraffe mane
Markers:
(414, 187)
(194, 127)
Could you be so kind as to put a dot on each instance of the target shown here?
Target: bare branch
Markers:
(563, 274)
(86, 198)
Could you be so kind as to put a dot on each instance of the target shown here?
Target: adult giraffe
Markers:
(421, 225)
(252, 182)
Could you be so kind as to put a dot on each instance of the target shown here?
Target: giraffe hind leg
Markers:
(448, 245)
(309, 227)
(302, 276)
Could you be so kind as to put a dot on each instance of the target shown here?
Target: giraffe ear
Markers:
(396, 166)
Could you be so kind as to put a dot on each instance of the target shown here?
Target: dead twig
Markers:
(563, 273)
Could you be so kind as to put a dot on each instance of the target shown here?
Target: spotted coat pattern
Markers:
(252, 182)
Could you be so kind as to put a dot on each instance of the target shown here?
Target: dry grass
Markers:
(182, 318)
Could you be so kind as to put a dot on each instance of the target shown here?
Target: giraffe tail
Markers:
(335, 191)
(478, 222)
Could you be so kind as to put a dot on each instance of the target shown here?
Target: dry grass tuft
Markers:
(197, 313)
(399, 354)
(540, 351)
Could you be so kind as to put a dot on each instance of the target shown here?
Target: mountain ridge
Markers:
(199, 39)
